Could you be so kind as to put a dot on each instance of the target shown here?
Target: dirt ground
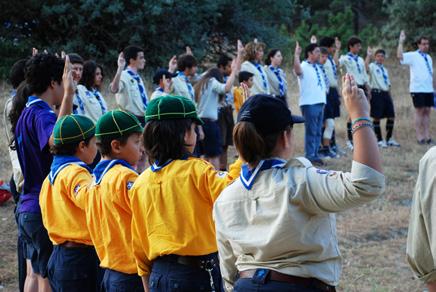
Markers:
(372, 238)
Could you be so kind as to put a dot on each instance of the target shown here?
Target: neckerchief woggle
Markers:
(105, 165)
(62, 161)
(140, 87)
(277, 72)
(248, 177)
(188, 84)
(356, 59)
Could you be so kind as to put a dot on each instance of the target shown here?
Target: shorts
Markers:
(212, 143)
(74, 269)
(332, 108)
(114, 281)
(35, 237)
(422, 99)
(226, 123)
(381, 105)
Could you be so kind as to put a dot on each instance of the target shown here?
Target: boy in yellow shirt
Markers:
(242, 92)
(172, 228)
(108, 212)
(73, 264)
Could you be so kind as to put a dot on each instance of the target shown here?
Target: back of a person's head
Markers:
(353, 41)
(327, 42)
(88, 75)
(16, 75)
(131, 52)
(309, 49)
(18, 104)
(202, 84)
(186, 61)
(41, 70)
(244, 76)
(75, 58)
(223, 61)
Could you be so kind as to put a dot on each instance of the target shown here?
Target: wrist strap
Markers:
(361, 119)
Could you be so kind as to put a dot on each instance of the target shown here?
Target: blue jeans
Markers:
(250, 285)
(114, 281)
(313, 115)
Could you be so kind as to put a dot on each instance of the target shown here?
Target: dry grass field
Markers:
(372, 238)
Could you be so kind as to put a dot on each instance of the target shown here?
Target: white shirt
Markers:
(260, 79)
(209, 99)
(312, 85)
(158, 93)
(421, 80)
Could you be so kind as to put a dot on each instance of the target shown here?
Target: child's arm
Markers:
(115, 84)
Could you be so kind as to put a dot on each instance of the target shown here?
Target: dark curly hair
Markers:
(88, 75)
(41, 70)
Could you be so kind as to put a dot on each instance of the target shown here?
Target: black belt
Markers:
(379, 91)
(201, 262)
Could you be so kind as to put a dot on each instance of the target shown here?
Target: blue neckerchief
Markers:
(335, 72)
(248, 176)
(36, 101)
(81, 105)
(62, 161)
(427, 63)
(326, 80)
(318, 75)
(188, 84)
(264, 82)
(105, 165)
(140, 87)
(99, 98)
(385, 76)
(356, 59)
(277, 72)
(160, 89)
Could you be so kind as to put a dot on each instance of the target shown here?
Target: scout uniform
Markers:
(277, 81)
(89, 103)
(274, 224)
(182, 86)
(159, 91)
(260, 79)
(73, 265)
(421, 245)
(332, 108)
(172, 228)
(241, 94)
(132, 96)
(108, 214)
(355, 66)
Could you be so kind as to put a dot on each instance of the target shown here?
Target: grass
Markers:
(372, 238)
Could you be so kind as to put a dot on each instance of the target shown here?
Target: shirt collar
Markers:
(62, 161)
(34, 100)
(248, 176)
(156, 166)
(105, 165)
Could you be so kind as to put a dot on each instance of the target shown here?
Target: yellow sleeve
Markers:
(78, 187)
(124, 183)
(139, 233)
(237, 95)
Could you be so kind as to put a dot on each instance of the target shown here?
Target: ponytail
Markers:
(18, 104)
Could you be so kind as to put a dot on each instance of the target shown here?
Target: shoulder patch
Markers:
(221, 174)
(129, 185)
(322, 171)
(76, 188)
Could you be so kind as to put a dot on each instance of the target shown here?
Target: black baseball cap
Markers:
(268, 114)
(160, 73)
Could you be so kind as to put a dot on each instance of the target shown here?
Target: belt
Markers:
(379, 91)
(70, 244)
(201, 262)
(280, 277)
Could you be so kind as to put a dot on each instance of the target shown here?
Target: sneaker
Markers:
(393, 143)
(349, 145)
(332, 154)
(338, 150)
(429, 142)
(325, 153)
(382, 144)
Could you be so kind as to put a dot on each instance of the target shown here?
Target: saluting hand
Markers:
(172, 64)
(189, 51)
(34, 52)
(67, 78)
(313, 39)
(297, 49)
(121, 61)
(355, 100)
(337, 43)
(402, 36)
(369, 51)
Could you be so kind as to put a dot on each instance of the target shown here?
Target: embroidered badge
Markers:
(76, 189)
(221, 174)
(322, 171)
(129, 185)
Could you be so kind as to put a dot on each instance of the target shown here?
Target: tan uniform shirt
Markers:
(128, 96)
(379, 77)
(421, 239)
(87, 103)
(181, 87)
(328, 67)
(349, 65)
(260, 79)
(284, 222)
(274, 82)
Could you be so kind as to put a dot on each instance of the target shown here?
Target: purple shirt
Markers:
(32, 135)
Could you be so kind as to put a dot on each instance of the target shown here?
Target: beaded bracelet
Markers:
(361, 125)
(360, 119)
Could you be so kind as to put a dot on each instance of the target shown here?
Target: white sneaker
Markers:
(349, 145)
(393, 143)
(382, 144)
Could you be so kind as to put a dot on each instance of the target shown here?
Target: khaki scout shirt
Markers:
(377, 81)
(348, 65)
(128, 96)
(328, 67)
(284, 222)
(421, 239)
(274, 83)
(180, 88)
(260, 79)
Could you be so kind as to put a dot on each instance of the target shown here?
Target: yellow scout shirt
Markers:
(108, 215)
(172, 210)
(63, 214)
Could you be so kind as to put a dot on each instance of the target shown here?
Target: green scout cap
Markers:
(73, 128)
(171, 107)
(117, 123)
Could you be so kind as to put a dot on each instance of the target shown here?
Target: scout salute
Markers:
(73, 265)
(274, 225)
(108, 212)
(129, 89)
(173, 232)
(422, 85)
(163, 79)
(276, 76)
(253, 63)
(353, 64)
(242, 92)
(33, 137)
(381, 101)
(187, 68)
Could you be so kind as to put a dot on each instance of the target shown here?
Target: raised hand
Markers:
(121, 61)
(402, 36)
(337, 43)
(172, 64)
(240, 47)
(355, 100)
(34, 52)
(297, 49)
(189, 51)
(313, 39)
(369, 51)
(67, 78)
(166, 84)
(63, 55)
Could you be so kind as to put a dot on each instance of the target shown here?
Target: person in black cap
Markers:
(274, 225)
(162, 79)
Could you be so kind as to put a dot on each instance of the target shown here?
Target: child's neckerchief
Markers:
(356, 59)
(105, 165)
(156, 166)
(62, 161)
(140, 86)
(248, 176)
(383, 72)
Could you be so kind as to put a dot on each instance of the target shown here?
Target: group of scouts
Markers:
(91, 218)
